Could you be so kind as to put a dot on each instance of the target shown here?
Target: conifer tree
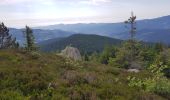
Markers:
(6, 40)
(86, 58)
(132, 22)
(30, 43)
(159, 47)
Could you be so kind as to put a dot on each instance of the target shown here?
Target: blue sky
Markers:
(18, 13)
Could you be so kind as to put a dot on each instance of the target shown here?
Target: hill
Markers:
(84, 42)
(38, 76)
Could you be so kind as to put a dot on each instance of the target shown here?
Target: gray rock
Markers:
(135, 65)
(133, 70)
(71, 52)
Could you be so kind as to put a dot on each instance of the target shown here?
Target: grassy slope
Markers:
(49, 76)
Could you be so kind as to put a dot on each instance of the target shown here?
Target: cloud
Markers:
(7, 2)
(95, 2)
(50, 2)
(102, 0)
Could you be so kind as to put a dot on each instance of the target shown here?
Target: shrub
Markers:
(35, 55)
(156, 84)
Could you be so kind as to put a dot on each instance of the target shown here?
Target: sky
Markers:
(18, 13)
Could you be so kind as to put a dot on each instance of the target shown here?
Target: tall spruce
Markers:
(30, 40)
(132, 22)
(6, 40)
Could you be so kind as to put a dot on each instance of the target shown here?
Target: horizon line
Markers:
(71, 23)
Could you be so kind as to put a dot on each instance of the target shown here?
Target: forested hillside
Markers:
(85, 43)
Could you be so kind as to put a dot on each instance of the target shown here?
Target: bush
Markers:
(156, 84)
(109, 52)
(35, 55)
(125, 57)
(162, 87)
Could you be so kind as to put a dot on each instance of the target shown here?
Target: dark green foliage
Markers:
(6, 40)
(123, 56)
(86, 58)
(94, 57)
(30, 42)
(148, 55)
(159, 47)
(109, 52)
(143, 55)
(164, 57)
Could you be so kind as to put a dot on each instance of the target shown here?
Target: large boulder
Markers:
(71, 52)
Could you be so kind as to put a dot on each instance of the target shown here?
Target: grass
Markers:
(40, 76)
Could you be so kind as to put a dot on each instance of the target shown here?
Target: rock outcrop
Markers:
(133, 70)
(71, 52)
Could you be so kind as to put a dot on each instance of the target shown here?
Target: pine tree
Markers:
(159, 47)
(6, 40)
(86, 58)
(30, 44)
(132, 22)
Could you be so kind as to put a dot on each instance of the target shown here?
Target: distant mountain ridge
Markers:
(155, 23)
(40, 35)
(92, 28)
(147, 30)
(148, 35)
